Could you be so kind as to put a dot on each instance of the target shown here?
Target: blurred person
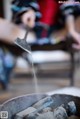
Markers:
(8, 35)
(57, 14)
(70, 11)
(25, 12)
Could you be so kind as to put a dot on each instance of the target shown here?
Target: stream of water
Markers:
(35, 79)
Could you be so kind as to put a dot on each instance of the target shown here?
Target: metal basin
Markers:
(18, 104)
(21, 103)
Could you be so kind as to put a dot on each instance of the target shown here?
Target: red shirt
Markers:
(49, 10)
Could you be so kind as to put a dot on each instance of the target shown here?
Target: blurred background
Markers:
(56, 65)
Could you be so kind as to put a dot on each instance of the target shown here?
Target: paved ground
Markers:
(25, 85)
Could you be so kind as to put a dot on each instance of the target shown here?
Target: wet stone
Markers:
(48, 115)
(25, 112)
